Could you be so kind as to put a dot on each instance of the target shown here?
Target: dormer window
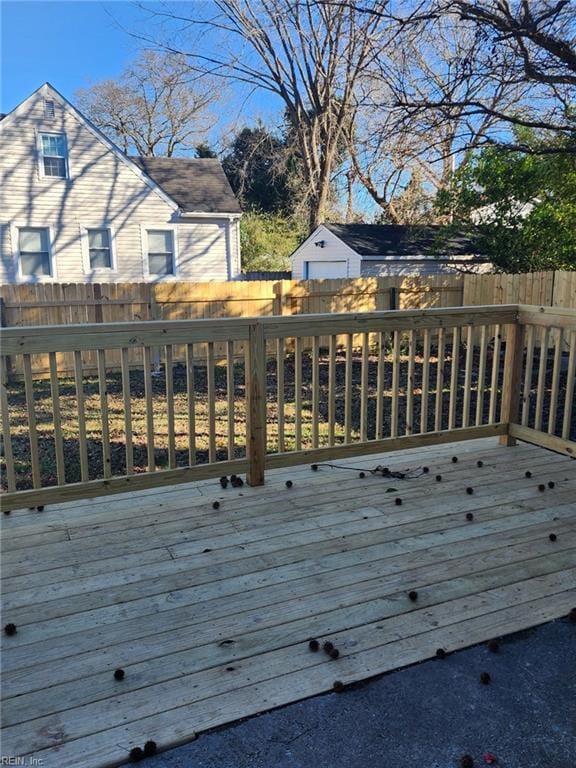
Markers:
(53, 155)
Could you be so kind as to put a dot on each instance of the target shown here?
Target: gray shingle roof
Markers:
(195, 184)
(401, 240)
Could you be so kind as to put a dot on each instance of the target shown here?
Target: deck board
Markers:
(128, 582)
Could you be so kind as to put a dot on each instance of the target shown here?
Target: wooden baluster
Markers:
(425, 381)
(102, 391)
(170, 418)
(468, 376)
(364, 387)
(79, 383)
(570, 381)
(454, 378)
(332, 390)
(211, 402)
(230, 397)
(315, 389)
(280, 353)
(541, 387)
(379, 386)
(6, 431)
(127, 401)
(438, 420)
(298, 392)
(57, 420)
(495, 376)
(527, 389)
(149, 396)
(31, 425)
(555, 381)
(395, 383)
(410, 383)
(348, 386)
(190, 399)
(481, 378)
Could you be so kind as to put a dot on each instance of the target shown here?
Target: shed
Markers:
(377, 250)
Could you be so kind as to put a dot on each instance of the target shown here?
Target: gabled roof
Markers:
(47, 89)
(401, 240)
(198, 185)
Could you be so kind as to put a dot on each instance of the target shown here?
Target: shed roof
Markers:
(401, 240)
(197, 185)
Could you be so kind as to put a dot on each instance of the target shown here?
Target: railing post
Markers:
(512, 381)
(256, 404)
(6, 368)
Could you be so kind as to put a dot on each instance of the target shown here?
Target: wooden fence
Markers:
(81, 303)
(418, 378)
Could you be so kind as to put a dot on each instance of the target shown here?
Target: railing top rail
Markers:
(558, 317)
(62, 338)
(67, 338)
(389, 320)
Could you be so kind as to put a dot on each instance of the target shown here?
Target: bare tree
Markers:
(404, 131)
(156, 107)
(311, 55)
(523, 48)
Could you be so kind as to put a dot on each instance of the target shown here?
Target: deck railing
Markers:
(205, 398)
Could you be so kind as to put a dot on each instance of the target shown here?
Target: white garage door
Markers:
(319, 270)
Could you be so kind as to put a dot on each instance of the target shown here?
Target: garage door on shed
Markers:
(319, 270)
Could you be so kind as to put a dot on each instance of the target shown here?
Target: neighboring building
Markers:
(377, 250)
(75, 208)
(506, 211)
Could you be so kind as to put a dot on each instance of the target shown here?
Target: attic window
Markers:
(54, 155)
(49, 111)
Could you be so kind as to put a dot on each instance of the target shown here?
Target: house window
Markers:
(54, 155)
(34, 252)
(99, 248)
(161, 252)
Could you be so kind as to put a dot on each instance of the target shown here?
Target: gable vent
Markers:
(49, 111)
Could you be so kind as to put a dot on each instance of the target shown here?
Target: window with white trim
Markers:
(54, 155)
(99, 248)
(34, 252)
(161, 252)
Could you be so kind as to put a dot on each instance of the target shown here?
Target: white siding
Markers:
(6, 260)
(413, 267)
(103, 191)
(334, 250)
(203, 249)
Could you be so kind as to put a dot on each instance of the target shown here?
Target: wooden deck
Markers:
(209, 611)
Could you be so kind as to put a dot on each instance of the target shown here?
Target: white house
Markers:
(75, 208)
(376, 250)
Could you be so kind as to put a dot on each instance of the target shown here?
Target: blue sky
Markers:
(70, 44)
(73, 44)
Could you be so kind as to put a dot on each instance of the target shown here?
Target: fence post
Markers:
(98, 313)
(278, 301)
(155, 314)
(512, 380)
(256, 404)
